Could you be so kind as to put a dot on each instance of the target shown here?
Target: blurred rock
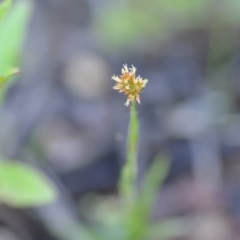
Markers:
(87, 76)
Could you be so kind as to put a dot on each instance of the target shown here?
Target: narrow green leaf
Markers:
(4, 7)
(5, 82)
(23, 186)
(12, 30)
(138, 214)
(154, 179)
(6, 77)
(129, 171)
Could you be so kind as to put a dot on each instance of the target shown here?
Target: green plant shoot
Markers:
(129, 171)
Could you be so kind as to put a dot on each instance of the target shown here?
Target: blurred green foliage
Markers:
(12, 30)
(136, 23)
(4, 7)
(13, 21)
(137, 216)
(121, 220)
(20, 185)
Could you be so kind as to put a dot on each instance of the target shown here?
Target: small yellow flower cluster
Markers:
(129, 84)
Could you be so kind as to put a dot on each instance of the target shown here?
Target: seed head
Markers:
(129, 84)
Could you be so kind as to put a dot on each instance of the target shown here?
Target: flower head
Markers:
(129, 84)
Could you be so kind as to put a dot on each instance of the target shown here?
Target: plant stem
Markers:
(129, 172)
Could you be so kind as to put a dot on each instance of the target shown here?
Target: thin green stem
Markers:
(129, 172)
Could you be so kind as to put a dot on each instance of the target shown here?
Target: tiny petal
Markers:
(125, 69)
(138, 99)
(127, 103)
(134, 69)
(116, 78)
(117, 87)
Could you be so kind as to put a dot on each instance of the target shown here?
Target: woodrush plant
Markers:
(137, 204)
(130, 221)
(131, 86)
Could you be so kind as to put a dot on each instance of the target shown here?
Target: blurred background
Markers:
(62, 116)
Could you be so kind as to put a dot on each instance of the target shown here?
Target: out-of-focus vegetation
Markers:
(20, 185)
(136, 23)
(127, 218)
(62, 116)
(13, 22)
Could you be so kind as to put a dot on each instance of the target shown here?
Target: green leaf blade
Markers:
(12, 30)
(4, 7)
(23, 186)
(138, 215)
